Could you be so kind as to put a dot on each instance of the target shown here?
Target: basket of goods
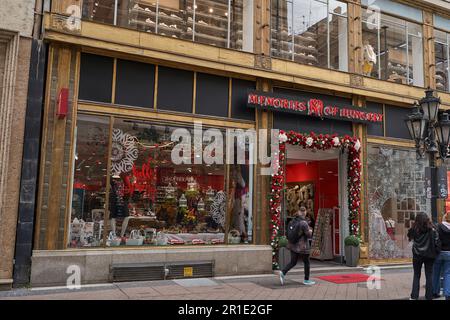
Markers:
(161, 239)
(198, 241)
(176, 241)
(135, 239)
(234, 237)
(216, 241)
(113, 240)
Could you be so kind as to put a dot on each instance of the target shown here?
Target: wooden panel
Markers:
(354, 38)
(428, 50)
(61, 6)
(57, 158)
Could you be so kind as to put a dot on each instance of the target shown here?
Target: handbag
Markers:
(135, 239)
(113, 240)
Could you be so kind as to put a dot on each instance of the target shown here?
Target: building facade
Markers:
(16, 47)
(125, 77)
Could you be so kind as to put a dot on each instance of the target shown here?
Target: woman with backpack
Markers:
(425, 249)
(442, 263)
(298, 235)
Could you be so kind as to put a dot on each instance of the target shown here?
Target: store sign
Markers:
(311, 107)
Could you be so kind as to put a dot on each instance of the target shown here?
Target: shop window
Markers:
(396, 194)
(392, 49)
(99, 11)
(96, 73)
(89, 182)
(135, 83)
(212, 95)
(310, 32)
(175, 89)
(395, 122)
(154, 202)
(221, 23)
(375, 129)
(285, 121)
(239, 109)
(442, 56)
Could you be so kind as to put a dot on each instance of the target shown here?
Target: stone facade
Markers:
(16, 28)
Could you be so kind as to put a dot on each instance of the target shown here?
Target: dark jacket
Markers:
(302, 246)
(423, 243)
(444, 236)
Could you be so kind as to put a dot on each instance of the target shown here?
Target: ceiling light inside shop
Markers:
(226, 14)
(330, 172)
(211, 10)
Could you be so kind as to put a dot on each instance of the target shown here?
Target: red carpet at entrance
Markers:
(348, 278)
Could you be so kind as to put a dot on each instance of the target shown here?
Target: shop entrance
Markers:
(315, 180)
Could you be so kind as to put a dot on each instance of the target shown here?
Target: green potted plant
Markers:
(352, 244)
(284, 255)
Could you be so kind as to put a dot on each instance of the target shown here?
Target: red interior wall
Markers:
(326, 185)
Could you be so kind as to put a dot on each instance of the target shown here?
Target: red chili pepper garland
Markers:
(316, 142)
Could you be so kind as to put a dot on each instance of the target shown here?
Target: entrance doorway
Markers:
(316, 180)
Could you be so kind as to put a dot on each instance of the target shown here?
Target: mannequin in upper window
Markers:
(370, 58)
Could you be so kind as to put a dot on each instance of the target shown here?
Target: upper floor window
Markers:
(392, 47)
(312, 32)
(221, 23)
(441, 52)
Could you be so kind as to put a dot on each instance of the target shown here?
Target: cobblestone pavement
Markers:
(395, 284)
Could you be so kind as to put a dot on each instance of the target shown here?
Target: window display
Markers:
(396, 190)
(392, 49)
(442, 56)
(151, 201)
(222, 23)
(312, 32)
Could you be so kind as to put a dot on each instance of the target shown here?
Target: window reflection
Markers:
(221, 23)
(89, 182)
(441, 49)
(396, 189)
(392, 49)
(310, 32)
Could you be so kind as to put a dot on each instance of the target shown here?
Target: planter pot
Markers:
(351, 256)
(284, 256)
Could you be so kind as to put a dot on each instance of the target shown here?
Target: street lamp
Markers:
(431, 134)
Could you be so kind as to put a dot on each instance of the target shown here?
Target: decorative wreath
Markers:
(124, 152)
(316, 142)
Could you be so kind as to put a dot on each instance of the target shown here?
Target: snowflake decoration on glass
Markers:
(218, 208)
(124, 152)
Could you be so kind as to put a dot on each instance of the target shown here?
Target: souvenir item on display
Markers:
(87, 234)
(198, 241)
(216, 241)
(192, 185)
(321, 247)
(201, 205)
(210, 194)
(124, 152)
(183, 201)
(135, 239)
(161, 239)
(234, 237)
(113, 240)
(176, 241)
(170, 192)
(218, 208)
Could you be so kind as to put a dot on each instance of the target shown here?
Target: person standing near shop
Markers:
(442, 263)
(426, 247)
(298, 236)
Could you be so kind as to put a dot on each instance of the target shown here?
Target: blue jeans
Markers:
(442, 268)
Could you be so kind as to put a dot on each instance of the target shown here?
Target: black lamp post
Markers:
(430, 132)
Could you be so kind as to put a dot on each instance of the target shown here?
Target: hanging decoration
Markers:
(315, 142)
(124, 152)
(218, 208)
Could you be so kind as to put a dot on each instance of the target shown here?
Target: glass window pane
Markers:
(441, 49)
(175, 80)
(99, 10)
(153, 201)
(396, 190)
(212, 95)
(96, 73)
(310, 32)
(89, 181)
(135, 83)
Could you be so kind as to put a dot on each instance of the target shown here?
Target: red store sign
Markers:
(311, 107)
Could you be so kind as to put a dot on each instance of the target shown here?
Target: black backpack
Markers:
(294, 231)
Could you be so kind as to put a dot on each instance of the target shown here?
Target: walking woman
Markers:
(425, 249)
(442, 263)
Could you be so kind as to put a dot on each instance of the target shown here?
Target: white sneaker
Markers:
(189, 29)
(136, 6)
(148, 10)
(309, 282)
(174, 26)
(148, 20)
(281, 275)
(162, 13)
(202, 23)
(162, 24)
